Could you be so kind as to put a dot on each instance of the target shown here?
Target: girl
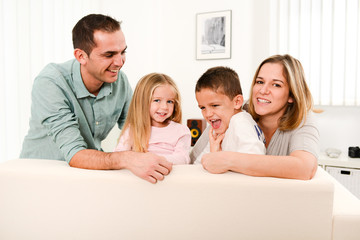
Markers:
(281, 103)
(153, 123)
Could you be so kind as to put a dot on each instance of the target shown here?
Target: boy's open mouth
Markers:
(215, 123)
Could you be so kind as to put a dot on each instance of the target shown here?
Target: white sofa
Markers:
(47, 199)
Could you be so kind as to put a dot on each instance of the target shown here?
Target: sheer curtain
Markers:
(325, 36)
(32, 34)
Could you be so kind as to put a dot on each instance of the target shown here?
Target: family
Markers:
(75, 105)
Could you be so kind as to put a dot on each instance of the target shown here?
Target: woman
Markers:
(280, 102)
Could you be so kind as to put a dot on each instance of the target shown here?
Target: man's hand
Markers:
(149, 166)
(215, 140)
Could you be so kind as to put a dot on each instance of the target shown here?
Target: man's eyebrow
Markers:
(124, 49)
(113, 52)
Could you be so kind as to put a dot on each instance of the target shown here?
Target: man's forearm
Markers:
(93, 159)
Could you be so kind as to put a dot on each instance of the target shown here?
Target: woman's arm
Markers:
(298, 165)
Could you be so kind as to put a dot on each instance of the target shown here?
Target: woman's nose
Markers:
(264, 89)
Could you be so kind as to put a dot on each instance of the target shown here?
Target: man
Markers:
(75, 104)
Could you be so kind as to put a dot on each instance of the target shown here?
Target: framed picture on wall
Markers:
(213, 35)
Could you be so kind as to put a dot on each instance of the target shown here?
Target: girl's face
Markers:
(162, 105)
(271, 91)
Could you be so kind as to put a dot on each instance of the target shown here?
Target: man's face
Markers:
(217, 108)
(106, 59)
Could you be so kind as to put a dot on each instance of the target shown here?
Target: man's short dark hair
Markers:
(83, 31)
(220, 79)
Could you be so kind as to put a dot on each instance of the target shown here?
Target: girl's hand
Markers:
(215, 140)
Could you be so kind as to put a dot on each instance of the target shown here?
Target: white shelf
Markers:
(344, 169)
(342, 161)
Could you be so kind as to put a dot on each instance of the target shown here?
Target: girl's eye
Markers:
(156, 100)
(170, 101)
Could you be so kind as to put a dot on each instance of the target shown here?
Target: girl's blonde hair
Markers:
(297, 111)
(138, 119)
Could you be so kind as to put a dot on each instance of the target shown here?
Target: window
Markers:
(325, 36)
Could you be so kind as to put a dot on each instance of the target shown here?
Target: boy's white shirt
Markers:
(243, 135)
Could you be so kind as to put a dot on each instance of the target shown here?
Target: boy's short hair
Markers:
(220, 79)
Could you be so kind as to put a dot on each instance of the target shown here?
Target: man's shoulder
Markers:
(64, 68)
(56, 74)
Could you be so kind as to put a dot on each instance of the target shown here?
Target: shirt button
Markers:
(97, 123)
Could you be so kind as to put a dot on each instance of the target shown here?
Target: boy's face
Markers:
(217, 108)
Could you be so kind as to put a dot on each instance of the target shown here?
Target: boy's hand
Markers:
(215, 140)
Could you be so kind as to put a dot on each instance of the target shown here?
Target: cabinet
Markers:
(344, 169)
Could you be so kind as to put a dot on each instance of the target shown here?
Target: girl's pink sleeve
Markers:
(124, 144)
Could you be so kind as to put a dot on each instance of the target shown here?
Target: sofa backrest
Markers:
(47, 199)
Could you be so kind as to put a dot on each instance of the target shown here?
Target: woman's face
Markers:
(271, 91)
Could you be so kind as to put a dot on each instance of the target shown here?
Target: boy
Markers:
(219, 96)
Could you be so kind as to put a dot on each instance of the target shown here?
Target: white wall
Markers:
(160, 36)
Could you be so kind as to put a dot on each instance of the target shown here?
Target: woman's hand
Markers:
(215, 162)
(215, 140)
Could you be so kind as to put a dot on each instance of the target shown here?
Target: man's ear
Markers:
(238, 101)
(81, 56)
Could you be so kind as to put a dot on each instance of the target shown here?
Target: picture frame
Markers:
(213, 35)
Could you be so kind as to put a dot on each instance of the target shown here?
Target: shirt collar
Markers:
(80, 89)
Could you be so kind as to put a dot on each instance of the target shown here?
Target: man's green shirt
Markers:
(66, 118)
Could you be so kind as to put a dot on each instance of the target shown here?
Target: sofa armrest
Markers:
(346, 214)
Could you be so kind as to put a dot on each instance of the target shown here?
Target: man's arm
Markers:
(144, 165)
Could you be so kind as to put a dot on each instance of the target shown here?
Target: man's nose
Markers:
(119, 60)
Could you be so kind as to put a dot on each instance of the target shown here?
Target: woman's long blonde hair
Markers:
(297, 111)
(138, 119)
